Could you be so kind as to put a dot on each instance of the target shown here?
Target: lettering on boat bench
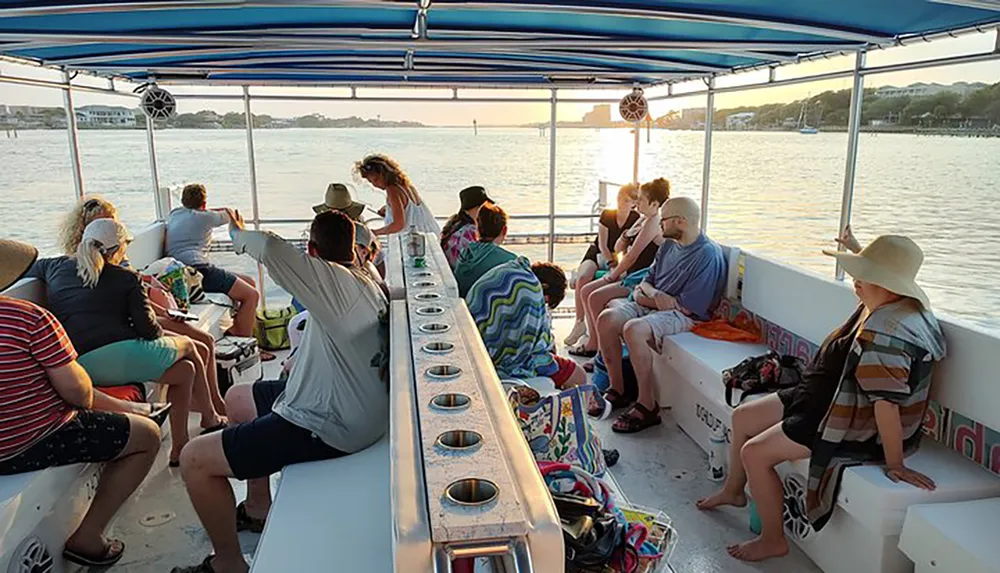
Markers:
(713, 422)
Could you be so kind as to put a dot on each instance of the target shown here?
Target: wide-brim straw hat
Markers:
(891, 262)
(338, 198)
(15, 260)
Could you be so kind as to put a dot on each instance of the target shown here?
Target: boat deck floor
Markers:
(660, 468)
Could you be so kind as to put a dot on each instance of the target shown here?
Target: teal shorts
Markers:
(129, 361)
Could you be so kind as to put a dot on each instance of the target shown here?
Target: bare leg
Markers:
(609, 328)
(119, 479)
(179, 378)
(760, 455)
(597, 302)
(241, 403)
(246, 296)
(206, 474)
(584, 275)
(749, 420)
(638, 335)
(577, 378)
(191, 350)
(207, 352)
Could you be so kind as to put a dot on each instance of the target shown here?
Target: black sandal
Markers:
(628, 423)
(107, 559)
(245, 522)
(158, 412)
(203, 567)
(582, 352)
(215, 428)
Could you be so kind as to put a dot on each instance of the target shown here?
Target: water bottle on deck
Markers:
(717, 454)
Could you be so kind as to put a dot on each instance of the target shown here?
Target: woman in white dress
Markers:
(403, 206)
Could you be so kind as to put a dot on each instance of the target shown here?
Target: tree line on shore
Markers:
(977, 109)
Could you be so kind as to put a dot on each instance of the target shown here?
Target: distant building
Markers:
(24, 110)
(739, 120)
(105, 116)
(921, 89)
(600, 116)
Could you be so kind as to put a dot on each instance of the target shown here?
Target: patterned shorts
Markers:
(89, 437)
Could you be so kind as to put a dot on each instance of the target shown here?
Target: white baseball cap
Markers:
(107, 233)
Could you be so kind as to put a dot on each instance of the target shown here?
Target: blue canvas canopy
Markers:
(458, 42)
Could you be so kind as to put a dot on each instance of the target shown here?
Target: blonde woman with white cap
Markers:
(862, 399)
(107, 314)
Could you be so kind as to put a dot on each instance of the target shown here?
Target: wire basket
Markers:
(661, 534)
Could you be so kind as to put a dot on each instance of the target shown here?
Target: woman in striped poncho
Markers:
(509, 304)
(862, 399)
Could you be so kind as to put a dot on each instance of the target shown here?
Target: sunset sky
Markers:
(520, 113)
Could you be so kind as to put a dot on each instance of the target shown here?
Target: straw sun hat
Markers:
(338, 198)
(891, 262)
(15, 260)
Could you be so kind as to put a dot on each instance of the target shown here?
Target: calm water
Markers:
(776, 194)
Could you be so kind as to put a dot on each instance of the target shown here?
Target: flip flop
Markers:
(215, 428)
(244, 522)
(158, 412)
(582, 352)
(107, 559)
(266, 356)
(203, 567)
(628, 423)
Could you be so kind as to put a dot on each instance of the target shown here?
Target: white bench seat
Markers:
(46, 505)
(960, 537)
(689, 374)
(332, 515)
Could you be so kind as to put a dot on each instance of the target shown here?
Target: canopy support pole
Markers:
(253, 187)
(635, 153)
(71, 130)
(853, 131)
(552, 178)
(707, 167)
(154, 172)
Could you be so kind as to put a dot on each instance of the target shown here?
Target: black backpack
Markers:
(761, 374)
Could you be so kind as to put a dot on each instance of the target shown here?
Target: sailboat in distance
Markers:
(803, 123)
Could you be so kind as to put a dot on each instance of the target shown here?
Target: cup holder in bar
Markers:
(434, 328)
(443, 372)
(460, 441)
(426, 296)
(450, 402)
(425, 284)
(438, 347)
(472, 492)
(430, 310)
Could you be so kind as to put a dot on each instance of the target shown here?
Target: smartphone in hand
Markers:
(185, 316)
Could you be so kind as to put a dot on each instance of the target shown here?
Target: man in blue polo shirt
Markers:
(682, 288)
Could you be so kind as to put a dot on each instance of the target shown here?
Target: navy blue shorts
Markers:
(216, 279)
(262, 447)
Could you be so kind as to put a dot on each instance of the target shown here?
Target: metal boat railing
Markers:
(858, 73)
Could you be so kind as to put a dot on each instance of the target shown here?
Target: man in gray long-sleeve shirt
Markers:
(335, 400)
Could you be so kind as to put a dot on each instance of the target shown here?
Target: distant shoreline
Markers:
(889, 130)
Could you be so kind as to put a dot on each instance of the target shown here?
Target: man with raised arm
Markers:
(335, 401)
(189, 239)
(682, 287)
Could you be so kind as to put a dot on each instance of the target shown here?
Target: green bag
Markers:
(271, 328)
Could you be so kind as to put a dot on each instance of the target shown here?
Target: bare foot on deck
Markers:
(758, 549)
(721, 498)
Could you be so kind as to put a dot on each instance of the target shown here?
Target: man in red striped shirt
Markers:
(47, 420)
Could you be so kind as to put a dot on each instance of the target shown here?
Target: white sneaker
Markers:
(579, 329)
